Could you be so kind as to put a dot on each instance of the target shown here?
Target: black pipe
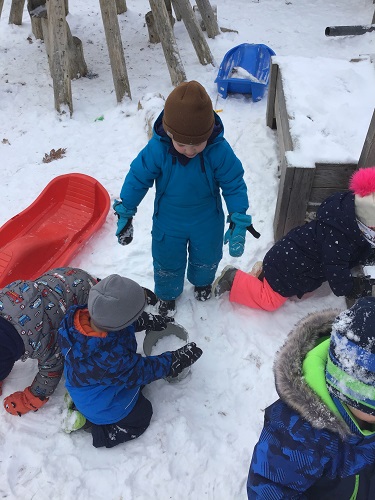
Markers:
(349, 30)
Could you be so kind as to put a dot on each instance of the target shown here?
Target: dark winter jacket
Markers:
(310, 446)
(218, 166)
(33, 310)
(104, 374)
(325, 249)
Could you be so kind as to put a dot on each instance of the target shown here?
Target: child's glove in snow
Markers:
(155, 322)
(22, 402)
(184, 357)
(236, 234)
(125, 215)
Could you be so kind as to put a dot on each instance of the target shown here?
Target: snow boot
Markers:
(73, 419)
(167, 307)
(225, 281)
(202, 293)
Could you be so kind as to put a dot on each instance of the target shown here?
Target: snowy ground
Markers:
(200, 440)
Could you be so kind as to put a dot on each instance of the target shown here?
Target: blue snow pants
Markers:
(197, 243)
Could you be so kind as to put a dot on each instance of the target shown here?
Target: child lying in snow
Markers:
(326, 249)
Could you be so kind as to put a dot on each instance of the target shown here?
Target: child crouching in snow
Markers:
(318, 439)
(326, 249)
(104, 374)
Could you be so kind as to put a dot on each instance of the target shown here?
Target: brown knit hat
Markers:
(188, 115)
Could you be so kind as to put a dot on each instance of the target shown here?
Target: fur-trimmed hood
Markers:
(290, 383)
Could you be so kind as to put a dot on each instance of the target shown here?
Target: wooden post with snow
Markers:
(59, 64)
(367, 158)
(115, 48)
(16, 11)
(168, 41)
(208, 17)
(196, 34)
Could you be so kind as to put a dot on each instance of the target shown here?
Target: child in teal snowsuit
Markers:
(189, 161)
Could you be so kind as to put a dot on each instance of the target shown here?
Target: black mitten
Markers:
(148, 321)
(150, 297)
(184, 357)
(125, 235)
(362, 287)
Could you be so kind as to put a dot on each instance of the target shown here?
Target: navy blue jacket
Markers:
(104, 375)
(310, 446)
(325, 249)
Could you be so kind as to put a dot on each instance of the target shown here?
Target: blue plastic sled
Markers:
(255, 60)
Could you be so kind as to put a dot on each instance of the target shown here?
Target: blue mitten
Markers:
(125, 215)
(236, 234)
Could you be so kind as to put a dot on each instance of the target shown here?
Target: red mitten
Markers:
(22, 402)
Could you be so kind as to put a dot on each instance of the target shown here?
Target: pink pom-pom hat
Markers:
(362, 183)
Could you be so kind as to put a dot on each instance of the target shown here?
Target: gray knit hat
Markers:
(116, 302)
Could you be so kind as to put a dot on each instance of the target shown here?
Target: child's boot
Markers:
(225, 281)
(202, 293)
(167, 307)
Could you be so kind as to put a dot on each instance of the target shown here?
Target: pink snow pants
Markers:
(250, 291)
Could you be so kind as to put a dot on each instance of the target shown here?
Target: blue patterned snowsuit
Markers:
(188, 214)
(105, 375)
(310, 448)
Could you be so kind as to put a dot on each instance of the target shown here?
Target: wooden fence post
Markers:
(58, 39)
(208, 16)
(121, 6)
(168, 41)
(115, 48)
(16, 11)
(34, 6)
(176, 11)
(196, 34)
(1, 6)
(367, 158)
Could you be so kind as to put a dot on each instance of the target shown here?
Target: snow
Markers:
(204, 428)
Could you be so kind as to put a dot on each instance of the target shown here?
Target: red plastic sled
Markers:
(55, 227)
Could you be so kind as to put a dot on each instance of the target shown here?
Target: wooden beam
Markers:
(121, 6)
(1, 6)
(270, 113)
(168, 41)
(59, 63)
(176, 11)
(196, 34)
(367, 158)
(115, 48)
(208, 17)
(16, 11)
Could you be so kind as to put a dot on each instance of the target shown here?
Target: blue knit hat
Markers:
(350, 369)
(11, 347)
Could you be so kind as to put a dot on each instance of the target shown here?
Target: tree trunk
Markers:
(121, 6)
(168, 41)
(115, 48)
(58, 42)
(16, 11)
(196, 35)
(1, 6)
(208, 17)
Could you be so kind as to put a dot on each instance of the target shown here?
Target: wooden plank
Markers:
(318, 195)
(333, 175)
(1, 6)
(367, 158)
(283, 197)
(299, 196)
(115, 48)
(282, 117)
(270, 113)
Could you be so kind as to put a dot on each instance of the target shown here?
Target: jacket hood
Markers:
(288, 370)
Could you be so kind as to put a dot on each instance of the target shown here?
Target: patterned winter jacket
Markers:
(35, 309)
(325, 249)
(103, 372)
(310, 447)
(220, 167)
